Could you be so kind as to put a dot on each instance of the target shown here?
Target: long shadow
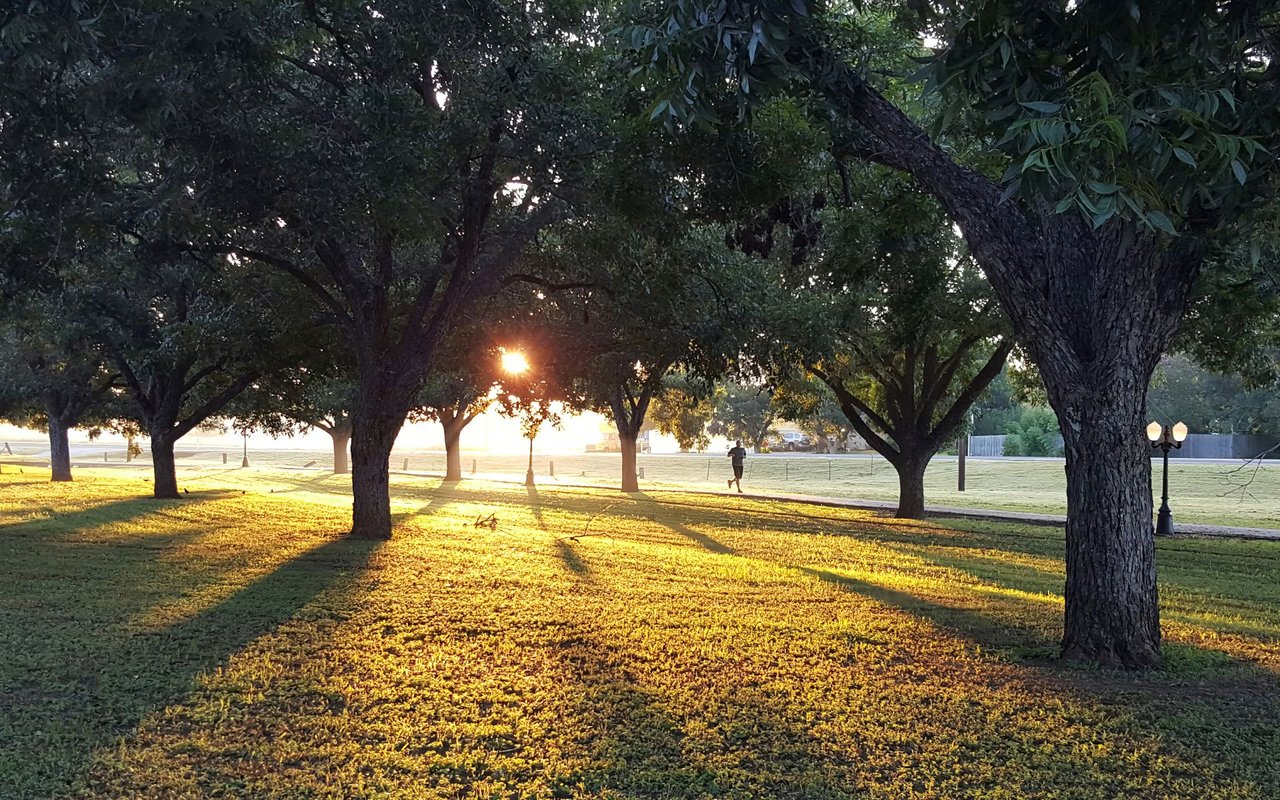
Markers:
(958, 621)
(104, 681)
(441, 497)
(1230, 714)
(638, 748)
(65, 522)
(535, 505)
(572, 561)
(702, 539)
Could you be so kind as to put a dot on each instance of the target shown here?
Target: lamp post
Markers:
(1166, 438)
(244, 461)
(528, 475)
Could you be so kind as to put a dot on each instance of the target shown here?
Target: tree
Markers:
(682, 408)
(1035, 433)
(461, 388)
(636, 302)
(187, 338)
(318, 392)
(1097, 146)
(995, 407)
(53, 376)
(899, 323)
(393, 163)
(745, 413)
(810, 403)
(1210, 402)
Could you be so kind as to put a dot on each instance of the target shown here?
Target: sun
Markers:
(514, 362)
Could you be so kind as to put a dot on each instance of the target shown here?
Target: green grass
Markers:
(231, 644)
(1209, 493)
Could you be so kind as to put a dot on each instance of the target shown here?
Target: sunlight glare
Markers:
(514, 362)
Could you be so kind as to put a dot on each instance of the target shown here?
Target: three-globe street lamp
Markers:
(514, 363)
(1166, 438)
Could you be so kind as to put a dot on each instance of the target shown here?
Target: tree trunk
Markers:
(453, 449)
(59, 450)
(341, 435)
(1112, 610)
(162, 466)
(911, 486)
(630, 479)
(373, 435)
(1094, 308)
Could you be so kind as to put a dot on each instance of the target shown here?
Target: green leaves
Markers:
(1151, 112)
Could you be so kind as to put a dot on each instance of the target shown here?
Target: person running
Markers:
(738, 455)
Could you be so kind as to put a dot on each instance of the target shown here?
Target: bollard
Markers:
(224, 458)
(551, 469)
(105, 458)
(828, 469)
(708, 470)
(641, 472)
(473, 466)
(406, 465)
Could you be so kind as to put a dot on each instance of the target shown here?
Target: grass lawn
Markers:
(232, 645)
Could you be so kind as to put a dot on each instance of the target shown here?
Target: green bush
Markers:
(1035, 433)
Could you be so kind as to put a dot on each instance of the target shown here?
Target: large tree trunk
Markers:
(59, 449)
(453, 448)
(1112, 611)
(374, 433)
(911, 485)
(1095, 308)
(162, 466)
(341, 435)
(630, 478)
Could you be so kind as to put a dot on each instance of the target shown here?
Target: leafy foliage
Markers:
(745, 413)
(1033, 434)
(683, 408)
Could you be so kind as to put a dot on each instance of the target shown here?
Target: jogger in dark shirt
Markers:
(738, 455)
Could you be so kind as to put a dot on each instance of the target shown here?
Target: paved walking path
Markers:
(1059, 520)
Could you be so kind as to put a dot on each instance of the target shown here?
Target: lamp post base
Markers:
(1164, 522)
(528, 478)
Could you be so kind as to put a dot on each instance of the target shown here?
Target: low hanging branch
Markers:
(1240, 478)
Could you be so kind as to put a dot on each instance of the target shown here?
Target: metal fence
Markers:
(1197, 445)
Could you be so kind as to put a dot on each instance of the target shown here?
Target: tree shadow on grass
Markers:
(92, 683)
(1229, 714)
(639, 748)
(535, 505)
(443, 496)
(658, 512)
(53, 521)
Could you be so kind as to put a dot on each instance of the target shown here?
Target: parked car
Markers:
(792, 441)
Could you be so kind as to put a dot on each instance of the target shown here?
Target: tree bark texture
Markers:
(163, 467)
(1112, 613)
(59, 450)
(629, 409)
(373, 435)
(910, 471)
(453, 449)
(1094, 308)
(630, 476)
